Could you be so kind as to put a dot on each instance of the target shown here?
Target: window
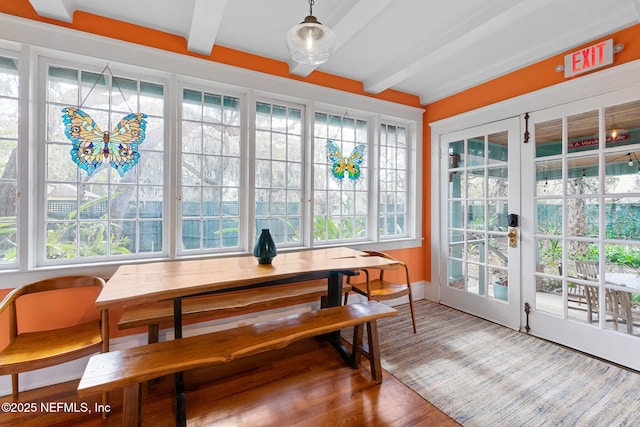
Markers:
(9, 114)
(393, 179)
(340, 203)
(210, 171)
(102, 215)
(278, 172)
(218, 163)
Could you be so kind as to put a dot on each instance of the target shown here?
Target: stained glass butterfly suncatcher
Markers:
(341, 164)
(92, 147)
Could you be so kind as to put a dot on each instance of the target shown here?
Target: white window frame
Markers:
(210, 88)
(346, 183)
(44, 62)
(411, 165)
(304, 218)
(20, 154)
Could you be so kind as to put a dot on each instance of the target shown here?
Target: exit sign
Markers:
(588, 59)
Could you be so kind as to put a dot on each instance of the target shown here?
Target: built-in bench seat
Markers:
(222, 305)
(131, 367)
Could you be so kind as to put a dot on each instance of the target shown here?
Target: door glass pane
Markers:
(476, 152)
(498, 147)
(456, 155)
(622, 218)
(583, 175)
(475, 184)
(498, 186)
(622, 123)
(497, 215)
(478, 202)
(549, 178)
(588, 219)
(582, 130)
(548, 138)
(476, 215)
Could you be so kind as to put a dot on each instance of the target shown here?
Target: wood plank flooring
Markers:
(306, 384)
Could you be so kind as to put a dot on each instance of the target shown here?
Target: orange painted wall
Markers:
(529, 79)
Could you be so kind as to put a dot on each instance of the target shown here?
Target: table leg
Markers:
(181, 406)
(334, 298)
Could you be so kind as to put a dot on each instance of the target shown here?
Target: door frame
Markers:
(505, 313)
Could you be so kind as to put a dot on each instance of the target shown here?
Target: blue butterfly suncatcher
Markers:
(349, 165)
(92, 147)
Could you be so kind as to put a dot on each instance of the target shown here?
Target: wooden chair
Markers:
(379, 289)
(614, 307)
(31, 350)
(589, 270)
(618, 303)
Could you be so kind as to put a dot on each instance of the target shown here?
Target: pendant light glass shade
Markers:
(310, 42)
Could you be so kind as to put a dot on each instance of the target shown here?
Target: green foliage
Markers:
(623, 255)
(550, 249)
(8, 247)
(326, 229)
(62, 239)
(59, 245)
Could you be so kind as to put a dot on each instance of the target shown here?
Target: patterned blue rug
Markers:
(483, 374)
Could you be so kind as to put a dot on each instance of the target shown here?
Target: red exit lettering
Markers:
(589, 58)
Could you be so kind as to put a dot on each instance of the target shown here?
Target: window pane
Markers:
(9, 119)
(210, 172)
(95, 210)
(393, 181)
(340, 174)
(278, 172)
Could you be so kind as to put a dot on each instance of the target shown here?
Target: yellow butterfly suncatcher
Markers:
(92, 146)
(349, 165)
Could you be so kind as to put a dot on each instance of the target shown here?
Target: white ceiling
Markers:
(431, 48)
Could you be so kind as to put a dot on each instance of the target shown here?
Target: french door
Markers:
(480, 215)
(581, 249)
(573, 269)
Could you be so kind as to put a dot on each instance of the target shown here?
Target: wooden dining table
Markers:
(174, 280)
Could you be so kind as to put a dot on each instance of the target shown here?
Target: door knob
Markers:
(513, 237)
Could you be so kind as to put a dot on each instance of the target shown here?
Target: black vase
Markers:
(265, 248)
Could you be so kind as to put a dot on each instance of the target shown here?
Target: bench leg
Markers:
(356, 347)
(374, 351)
(132, 405)
(153, 334)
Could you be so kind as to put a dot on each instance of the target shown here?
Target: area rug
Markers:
(483, 374)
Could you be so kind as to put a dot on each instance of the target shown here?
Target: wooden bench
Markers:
(229, 303)
(131, 367)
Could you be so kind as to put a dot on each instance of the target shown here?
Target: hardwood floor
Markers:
(306, 384)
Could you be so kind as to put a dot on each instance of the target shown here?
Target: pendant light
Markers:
(310, 42)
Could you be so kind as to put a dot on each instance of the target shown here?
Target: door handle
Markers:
(513, 237)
